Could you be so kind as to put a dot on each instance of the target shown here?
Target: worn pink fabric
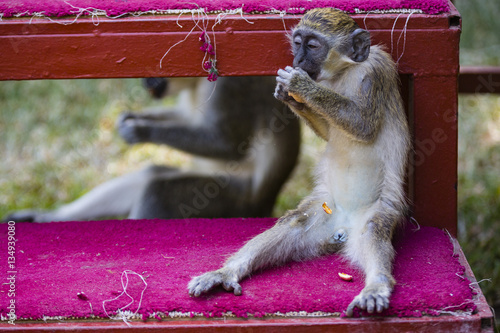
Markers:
(55, 262)
(57, 8)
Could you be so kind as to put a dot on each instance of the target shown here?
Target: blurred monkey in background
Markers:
(244, 144)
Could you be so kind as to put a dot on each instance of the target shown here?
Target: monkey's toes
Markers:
(203, 283)
(370, 301)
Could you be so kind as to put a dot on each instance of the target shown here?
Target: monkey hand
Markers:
(282, 95)
(373, 297)
(203, 283)
(295, 82)
(132, 129)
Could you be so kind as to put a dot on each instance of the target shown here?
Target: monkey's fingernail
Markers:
(327, 209)
(345, 277)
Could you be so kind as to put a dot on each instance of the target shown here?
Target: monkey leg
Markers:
(191, 195)
(112, 198)
(373, 250)
(287, 240)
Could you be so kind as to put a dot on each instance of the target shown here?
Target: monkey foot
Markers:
(203, 283)
(372, 298)
(22, 216)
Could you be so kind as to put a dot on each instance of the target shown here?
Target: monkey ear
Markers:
(360, 45)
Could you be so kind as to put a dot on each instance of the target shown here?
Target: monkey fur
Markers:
(244, 144)
(347, 92)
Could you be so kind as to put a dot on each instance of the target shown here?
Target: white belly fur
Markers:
(349, 180)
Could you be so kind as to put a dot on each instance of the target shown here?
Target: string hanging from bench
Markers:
(122, 315)
(402, 34)
(200, 19)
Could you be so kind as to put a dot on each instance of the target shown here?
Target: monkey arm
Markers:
(356, 120)
(154, 114)
(354, 117)
(203, 141)
(316, 123)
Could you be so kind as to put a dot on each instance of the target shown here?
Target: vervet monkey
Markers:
(245, 145)
(347, 92)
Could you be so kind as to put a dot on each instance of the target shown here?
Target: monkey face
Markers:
(310, 50)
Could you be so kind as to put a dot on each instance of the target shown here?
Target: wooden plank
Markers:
(134, 46)
(479, 80)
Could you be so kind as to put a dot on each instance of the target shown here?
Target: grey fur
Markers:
(356, 107)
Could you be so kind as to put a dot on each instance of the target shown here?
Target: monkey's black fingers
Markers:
(21, 216)
(124, 116)
(133, 129)
(280, 93)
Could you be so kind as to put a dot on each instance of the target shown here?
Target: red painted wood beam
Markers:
(133, 47)
(479, 80)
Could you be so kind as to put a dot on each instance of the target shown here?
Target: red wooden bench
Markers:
(426, 47)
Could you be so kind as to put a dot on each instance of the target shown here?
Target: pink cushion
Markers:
(57, 261)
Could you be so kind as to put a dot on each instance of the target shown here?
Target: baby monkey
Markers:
(347, 92)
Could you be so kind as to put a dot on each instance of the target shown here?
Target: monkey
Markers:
(347, 91)
(244, 144)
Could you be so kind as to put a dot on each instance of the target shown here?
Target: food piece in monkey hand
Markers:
(296, 98)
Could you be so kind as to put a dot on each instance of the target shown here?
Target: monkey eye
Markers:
(297, 40)
(313, 44)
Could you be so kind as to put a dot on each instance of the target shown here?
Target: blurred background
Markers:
(59, 141)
